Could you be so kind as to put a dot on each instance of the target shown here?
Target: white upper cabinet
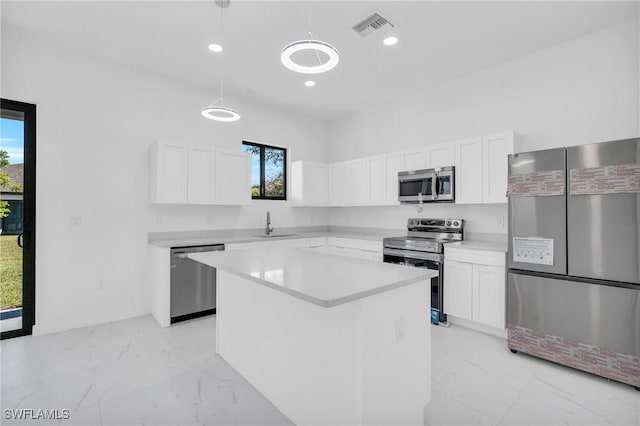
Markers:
(495, 151)
(169, 172)
(391, 169)
(233, 177)
(416, 159)
(468, 162)
(336, 184)
(309, 184)
(201, 179)
(375, 180)
(441, 155)
(355, 183)
(481, 168)
(194, 174)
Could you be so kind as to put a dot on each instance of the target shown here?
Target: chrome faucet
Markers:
(269, 229)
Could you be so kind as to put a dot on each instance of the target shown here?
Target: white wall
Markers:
(95, 124)
(582, 91)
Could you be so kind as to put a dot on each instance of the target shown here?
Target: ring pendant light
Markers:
(217, 110)
(313, 45)
(286, 56)
(220, 112)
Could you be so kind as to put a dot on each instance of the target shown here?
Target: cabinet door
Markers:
(458, 289)
(375, 181)
(441, 155)
(201, 177)
(415, 160)
(391, 169)
(309, 184)
(233, 177)
(490, 295)
(355, 183)
(169, 172)
(468, 162)
(317, 184)
(336, 184)
(496, 149)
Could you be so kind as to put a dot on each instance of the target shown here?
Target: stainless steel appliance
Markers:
(428, 185)
(574, 255)
(193, 284)
(423, 247)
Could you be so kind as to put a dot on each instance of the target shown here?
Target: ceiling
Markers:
(439, 41)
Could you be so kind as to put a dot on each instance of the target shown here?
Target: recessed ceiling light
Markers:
(215, 48)
(390, 41)
(310, 83)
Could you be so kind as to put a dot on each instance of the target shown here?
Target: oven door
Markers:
(433, 261)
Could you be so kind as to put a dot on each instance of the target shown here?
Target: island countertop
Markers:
(322, 279)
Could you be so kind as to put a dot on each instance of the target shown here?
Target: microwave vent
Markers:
(372, 23)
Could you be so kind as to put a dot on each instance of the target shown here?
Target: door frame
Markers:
(28, 218)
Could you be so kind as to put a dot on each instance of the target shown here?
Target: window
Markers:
(268, 171)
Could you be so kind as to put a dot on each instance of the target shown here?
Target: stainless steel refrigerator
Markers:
(573, 294)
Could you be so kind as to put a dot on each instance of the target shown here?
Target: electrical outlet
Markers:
(501, 221)
(399, 329)
(75, 220)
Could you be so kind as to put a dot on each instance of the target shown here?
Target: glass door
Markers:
(17, 218)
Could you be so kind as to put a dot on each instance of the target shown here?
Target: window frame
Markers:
(262, 147)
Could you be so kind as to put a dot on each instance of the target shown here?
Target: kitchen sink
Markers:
(276, 235)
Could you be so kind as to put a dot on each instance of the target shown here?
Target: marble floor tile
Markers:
(447, 338)
(443, 411)
(133, 372)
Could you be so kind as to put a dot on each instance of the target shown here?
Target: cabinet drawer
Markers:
(353, 243)
(481, 257)
(242, 246)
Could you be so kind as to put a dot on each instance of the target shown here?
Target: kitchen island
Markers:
(327, 339)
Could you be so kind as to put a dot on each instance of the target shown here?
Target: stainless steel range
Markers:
(423, 247)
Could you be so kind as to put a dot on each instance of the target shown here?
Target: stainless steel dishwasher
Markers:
(193, 284)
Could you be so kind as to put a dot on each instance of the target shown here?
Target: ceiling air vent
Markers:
(372, 23)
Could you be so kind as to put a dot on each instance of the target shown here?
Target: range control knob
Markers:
(448, 223)
(456, 223)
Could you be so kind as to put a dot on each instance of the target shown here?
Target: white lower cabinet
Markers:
(458, 289)
(242, 246)
(348, 247)
(475, 285)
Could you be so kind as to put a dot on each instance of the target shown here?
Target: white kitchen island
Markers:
(328, 340)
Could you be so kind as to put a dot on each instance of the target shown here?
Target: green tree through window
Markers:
(268, 171)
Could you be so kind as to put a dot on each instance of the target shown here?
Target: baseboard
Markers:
(499, 332)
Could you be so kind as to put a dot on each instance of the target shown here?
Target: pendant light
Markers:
(218, 110)
(310, 44)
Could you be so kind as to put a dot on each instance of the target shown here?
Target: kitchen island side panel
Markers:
(364, 362)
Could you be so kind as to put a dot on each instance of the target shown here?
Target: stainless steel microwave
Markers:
(428, 185)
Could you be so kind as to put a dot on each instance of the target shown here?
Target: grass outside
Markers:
(10, 272)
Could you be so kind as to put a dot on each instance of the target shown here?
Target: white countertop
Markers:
(477, 245)
(322, 279)
(208, 240)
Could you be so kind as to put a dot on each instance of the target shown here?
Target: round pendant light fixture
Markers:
(219, 112)
(317, 46)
